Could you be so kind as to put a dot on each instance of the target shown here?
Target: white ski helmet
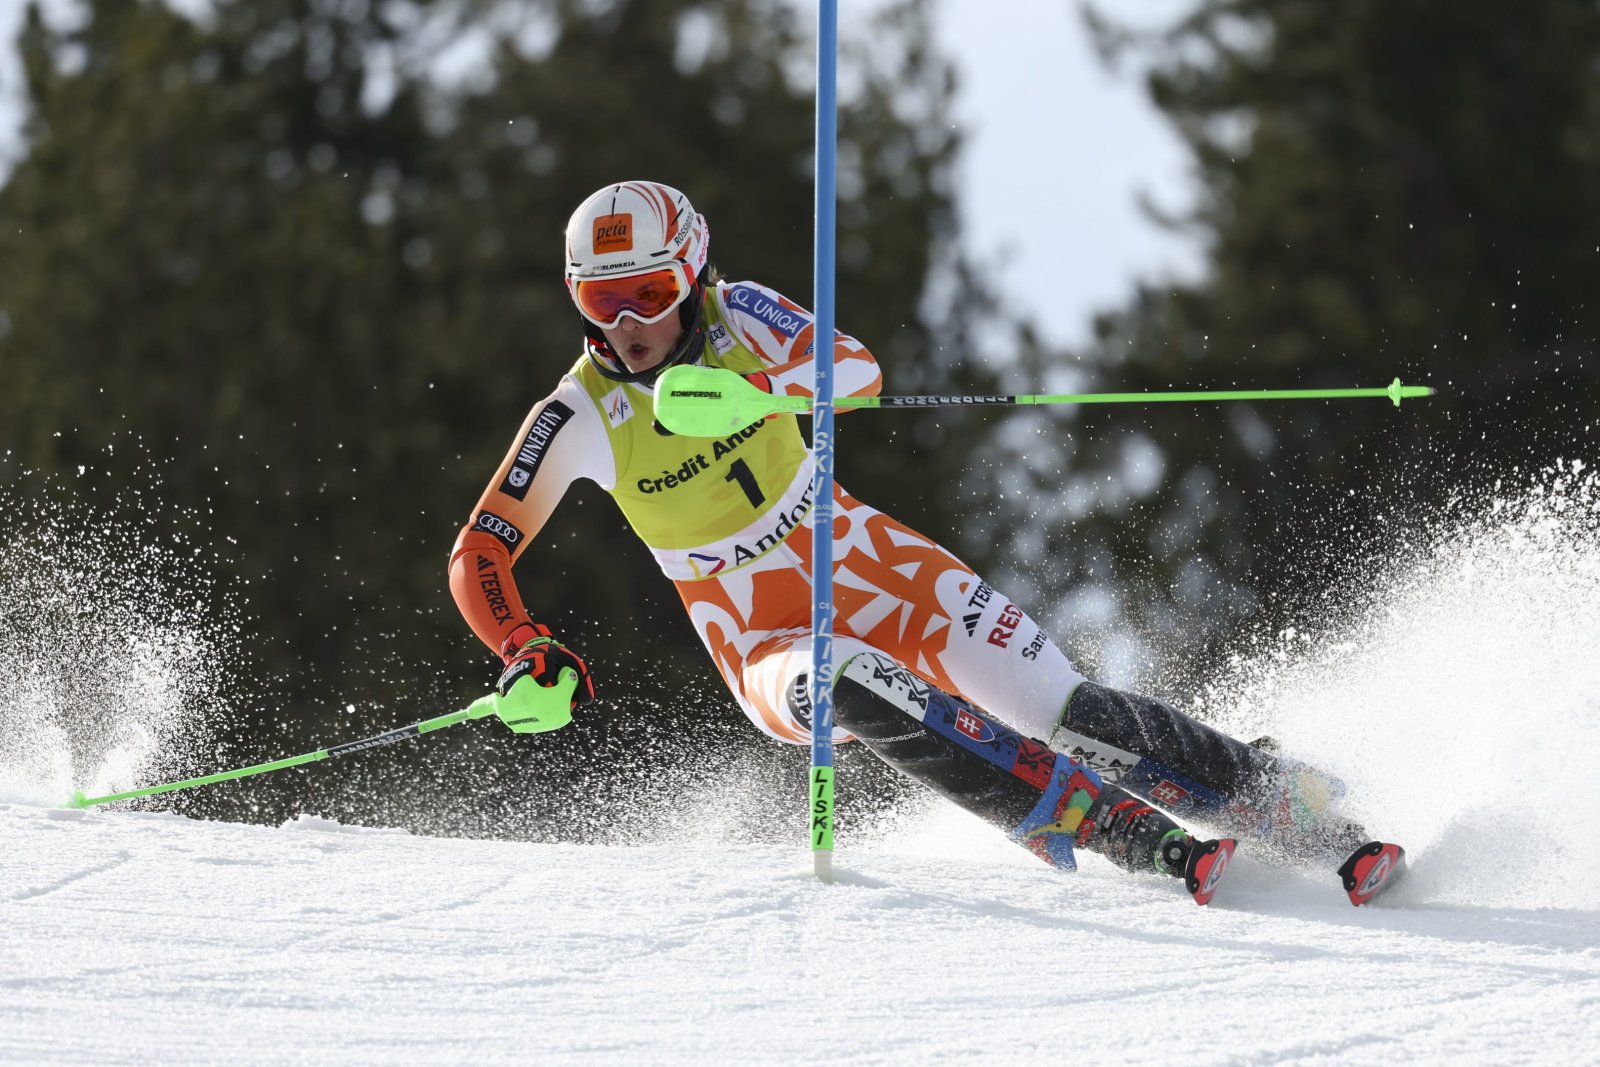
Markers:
(637, 249)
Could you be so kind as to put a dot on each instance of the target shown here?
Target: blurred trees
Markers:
(302, 256)
(1386, 188)
(317, 284)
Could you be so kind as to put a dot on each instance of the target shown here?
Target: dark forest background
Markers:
(276, 289)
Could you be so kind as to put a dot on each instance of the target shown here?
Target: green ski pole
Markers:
(713, 402)
(527, 709)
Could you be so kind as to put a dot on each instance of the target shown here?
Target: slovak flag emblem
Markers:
(971, 725)
(1168, 793)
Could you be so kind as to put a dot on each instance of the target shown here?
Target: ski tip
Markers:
(1371, 870)
(1208, 862)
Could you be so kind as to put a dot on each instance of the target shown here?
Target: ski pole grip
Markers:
(531, 708)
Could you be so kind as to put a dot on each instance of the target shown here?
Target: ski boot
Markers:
(1137, 837)
(1374, 868)
(1045, 801)
(1079, 810)
(1189, 767)
(1298, 818)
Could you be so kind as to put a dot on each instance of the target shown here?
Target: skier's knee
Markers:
(1146, 727)
(874, 698)
(877, 699)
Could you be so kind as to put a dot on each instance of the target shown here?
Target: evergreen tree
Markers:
(318, 287)
(1398, 188)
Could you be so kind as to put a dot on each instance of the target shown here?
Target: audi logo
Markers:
(499, 527)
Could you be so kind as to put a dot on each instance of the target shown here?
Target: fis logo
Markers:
(618, 408)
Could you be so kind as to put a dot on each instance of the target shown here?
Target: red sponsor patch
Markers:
(613, 233)
(1005, 626)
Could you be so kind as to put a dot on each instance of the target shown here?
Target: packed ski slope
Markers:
(142, 938)
(1456, 688)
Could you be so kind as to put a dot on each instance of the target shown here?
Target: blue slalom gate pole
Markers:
(822, 448)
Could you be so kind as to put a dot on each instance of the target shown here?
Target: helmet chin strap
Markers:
(689, 344)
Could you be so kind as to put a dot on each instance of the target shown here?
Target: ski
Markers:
(1208, 862)
(1371, 870)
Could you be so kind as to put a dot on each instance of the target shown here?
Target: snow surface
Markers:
(145, 938)
(1453, 687)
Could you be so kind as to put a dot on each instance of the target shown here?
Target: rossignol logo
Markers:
(685, 221)
(755, 303)
(1379, 872)
(504, 531)
(534, 446)
(1214, 875)
(613, 233)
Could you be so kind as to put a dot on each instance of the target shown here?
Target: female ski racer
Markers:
(940, 674)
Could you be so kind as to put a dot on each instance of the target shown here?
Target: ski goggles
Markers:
(648, 297)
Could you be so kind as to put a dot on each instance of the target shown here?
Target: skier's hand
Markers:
(543, 658)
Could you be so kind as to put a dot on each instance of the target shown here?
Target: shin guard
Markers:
(1044, 801)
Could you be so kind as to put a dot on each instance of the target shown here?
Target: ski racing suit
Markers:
(728, 520)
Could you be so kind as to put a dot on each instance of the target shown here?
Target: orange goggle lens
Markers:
(647, 297)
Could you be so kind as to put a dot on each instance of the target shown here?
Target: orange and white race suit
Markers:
(729, 522)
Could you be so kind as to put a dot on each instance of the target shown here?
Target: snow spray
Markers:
(1455, 688)
(106, 670)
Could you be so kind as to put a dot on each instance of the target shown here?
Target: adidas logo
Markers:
(971, 622)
